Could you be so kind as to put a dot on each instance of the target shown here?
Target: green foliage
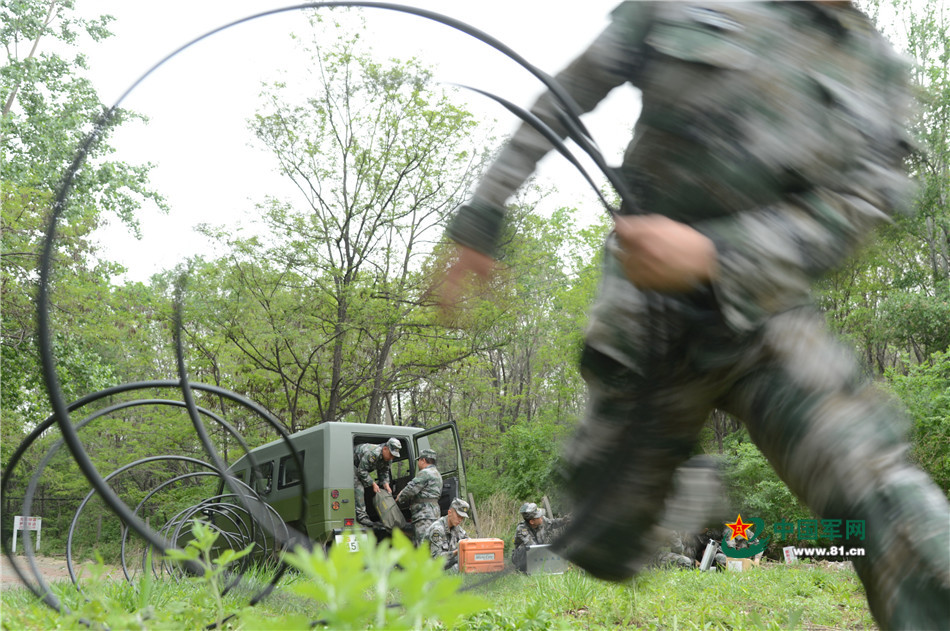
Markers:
(200, 552)
(529, 452)
(925, 390)
(47, 108)
(521, 382)
(389, 585)
(755, 489)
(321, 319)
(770, 597)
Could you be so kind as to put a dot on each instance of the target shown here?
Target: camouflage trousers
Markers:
(423, 515)
(359, 499)
(667, 559)
(831, 436)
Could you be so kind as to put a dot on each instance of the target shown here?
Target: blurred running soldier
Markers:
(770, 143)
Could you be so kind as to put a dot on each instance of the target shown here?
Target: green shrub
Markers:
(925, 390)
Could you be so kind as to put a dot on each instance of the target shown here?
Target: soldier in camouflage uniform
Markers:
(676, 552)
(770, 143)
(368, 458)
(445, 533)
(423, 493)
(534, 529)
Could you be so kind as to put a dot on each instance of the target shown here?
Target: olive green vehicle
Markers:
(325, 452)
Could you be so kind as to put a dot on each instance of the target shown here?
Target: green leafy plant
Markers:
(200, 551)
(389, 585)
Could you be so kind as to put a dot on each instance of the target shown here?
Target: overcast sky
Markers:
(198, 103)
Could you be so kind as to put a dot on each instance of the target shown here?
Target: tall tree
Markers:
(48, 106)
(379, 155)
(518, 390)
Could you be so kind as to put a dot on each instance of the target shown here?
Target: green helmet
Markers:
(530, 510)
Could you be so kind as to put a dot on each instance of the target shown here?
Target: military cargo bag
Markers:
(389, 513)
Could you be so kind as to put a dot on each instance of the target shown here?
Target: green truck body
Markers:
(326, 454)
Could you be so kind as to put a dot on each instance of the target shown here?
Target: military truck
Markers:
(326, 453)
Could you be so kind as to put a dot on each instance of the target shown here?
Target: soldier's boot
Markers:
(362, 517)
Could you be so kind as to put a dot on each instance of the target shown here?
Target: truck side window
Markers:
(289, 474)
(263, 482)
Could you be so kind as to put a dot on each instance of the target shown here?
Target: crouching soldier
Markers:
(422, 494)
(445, 533)
(534, 529)
(676, 552)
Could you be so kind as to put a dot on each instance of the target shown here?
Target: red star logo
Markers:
(739, 528)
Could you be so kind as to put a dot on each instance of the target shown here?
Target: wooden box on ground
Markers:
(481, 555)
(741, 565)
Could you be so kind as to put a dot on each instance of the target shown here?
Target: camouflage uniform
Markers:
(366, 459)
(776, 130)
(526, 536)
(676, 552)
(444, 541)
(423, 493)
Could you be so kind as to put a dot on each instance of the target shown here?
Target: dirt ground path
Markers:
(52, 569)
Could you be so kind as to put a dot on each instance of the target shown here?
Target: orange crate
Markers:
(481, 555)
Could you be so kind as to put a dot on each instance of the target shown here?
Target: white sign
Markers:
(789, 552)
(27, 523)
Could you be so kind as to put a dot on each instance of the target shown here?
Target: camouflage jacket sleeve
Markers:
(522, 536)
(556, 525)
(791, 164)
(426, 485)
(439, 545)
(382, 471)
(458, 536)
(364, 464)
(768, 257)
(412, 489)
(588, 79)
(795, 130)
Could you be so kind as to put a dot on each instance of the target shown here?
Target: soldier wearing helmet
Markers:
(445, 533)
(366, 459)
(422, 494)
(534, 529)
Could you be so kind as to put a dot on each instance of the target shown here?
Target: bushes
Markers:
(925, 390)
(529, 456)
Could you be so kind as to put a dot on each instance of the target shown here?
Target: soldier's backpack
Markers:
(389, 512)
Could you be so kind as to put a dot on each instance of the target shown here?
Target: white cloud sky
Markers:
(199, 101)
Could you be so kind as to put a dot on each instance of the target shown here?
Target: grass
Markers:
(771, 597)
(774, 596)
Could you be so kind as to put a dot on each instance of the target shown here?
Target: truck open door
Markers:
(444, 439)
